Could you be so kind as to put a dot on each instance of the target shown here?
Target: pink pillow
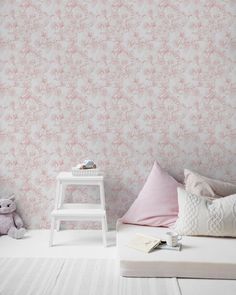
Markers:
(157, 203)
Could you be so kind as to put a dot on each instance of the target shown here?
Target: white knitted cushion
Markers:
(199, 215)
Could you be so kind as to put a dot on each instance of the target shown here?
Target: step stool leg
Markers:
(52, 232)
(61, 197)
(106, 226)
(104, 236)
(58, 225)
(102, 200)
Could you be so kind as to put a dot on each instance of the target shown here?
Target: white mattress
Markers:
(200, 257)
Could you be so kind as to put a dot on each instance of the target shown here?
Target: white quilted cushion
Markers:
(199, 215)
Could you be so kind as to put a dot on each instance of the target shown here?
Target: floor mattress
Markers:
(200, 257)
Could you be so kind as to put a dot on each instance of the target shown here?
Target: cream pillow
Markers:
(201, 216)
(201, 185)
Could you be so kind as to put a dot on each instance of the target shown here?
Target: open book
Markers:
(144, 243)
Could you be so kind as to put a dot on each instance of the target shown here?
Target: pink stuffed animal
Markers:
(10, 222)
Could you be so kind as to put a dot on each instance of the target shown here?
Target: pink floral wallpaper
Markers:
(122, 82)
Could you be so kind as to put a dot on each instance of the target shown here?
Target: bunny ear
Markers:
(12, 197)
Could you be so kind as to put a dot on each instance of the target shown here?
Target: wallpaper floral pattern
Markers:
(122, 82)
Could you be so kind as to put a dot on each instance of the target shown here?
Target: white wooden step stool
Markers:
(75, 211)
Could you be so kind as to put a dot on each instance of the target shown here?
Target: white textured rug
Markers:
(51, 276)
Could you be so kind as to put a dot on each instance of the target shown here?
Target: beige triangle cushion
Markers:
(204, 186)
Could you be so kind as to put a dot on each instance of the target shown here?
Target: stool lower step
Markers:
(75, 211)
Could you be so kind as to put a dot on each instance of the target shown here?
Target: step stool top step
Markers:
(69, 176)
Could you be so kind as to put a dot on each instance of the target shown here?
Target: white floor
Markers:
(92, 270)
(67, 244)
(83, 244)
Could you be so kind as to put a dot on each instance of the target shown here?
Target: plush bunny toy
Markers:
(10, 222)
